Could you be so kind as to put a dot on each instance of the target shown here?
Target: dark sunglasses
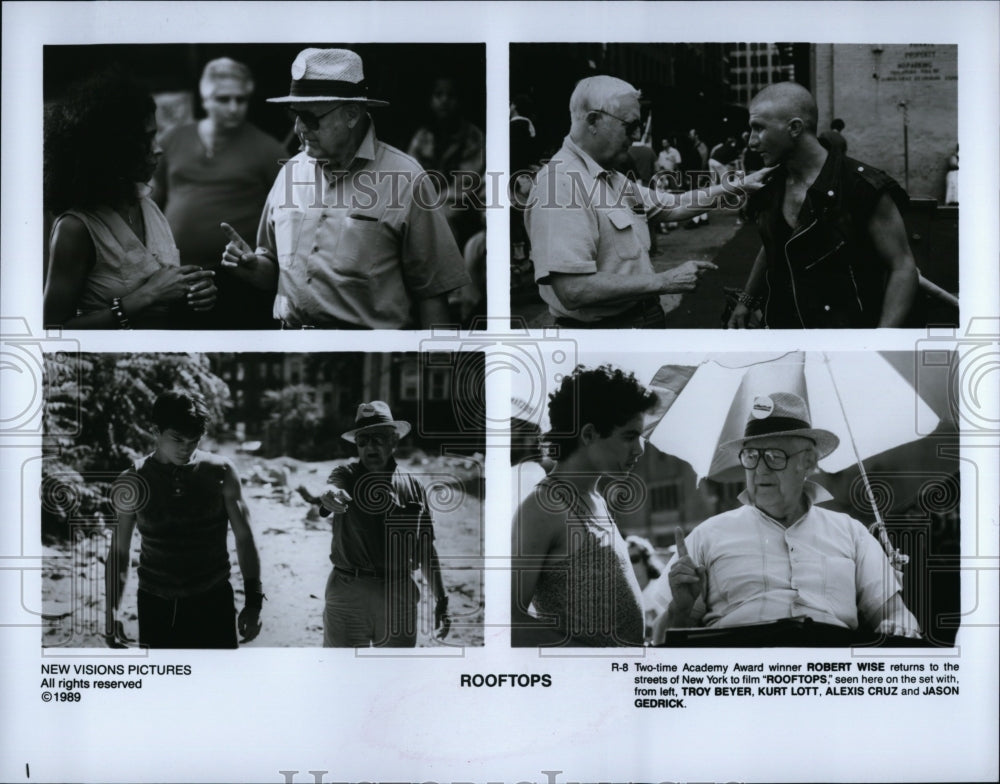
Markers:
(378, 439)
(309, 119)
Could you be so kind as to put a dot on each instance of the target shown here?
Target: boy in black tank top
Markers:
(182, 500)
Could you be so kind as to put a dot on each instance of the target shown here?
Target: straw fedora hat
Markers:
(783, 414)
(375, 414)
(328, 75)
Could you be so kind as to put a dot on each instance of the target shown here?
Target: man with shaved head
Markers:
(835, 252)
(588, 222)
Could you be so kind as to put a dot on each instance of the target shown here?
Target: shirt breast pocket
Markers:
(625, 236)
(364, 245)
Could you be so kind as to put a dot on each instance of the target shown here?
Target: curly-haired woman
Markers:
(113, 263)
(572, 581)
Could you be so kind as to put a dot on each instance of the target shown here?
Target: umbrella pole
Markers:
(897, 559)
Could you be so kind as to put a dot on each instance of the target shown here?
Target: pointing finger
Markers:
(234, 236)
(682, 551)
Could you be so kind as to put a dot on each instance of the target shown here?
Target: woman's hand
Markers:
(170, 284)
(201, 290)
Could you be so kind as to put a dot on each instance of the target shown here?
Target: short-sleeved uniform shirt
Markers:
(583, 219)
(361, 248)
(826, 566)
(386, 518)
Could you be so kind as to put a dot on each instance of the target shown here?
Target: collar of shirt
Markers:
(823, 191)
(384, 481)
(624, 192)
(364, 154)
(828, 180)
(594, 169)
(814, 493)
(388, 471)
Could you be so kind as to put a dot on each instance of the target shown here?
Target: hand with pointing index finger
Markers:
(335, 500)
(687, 581)
(237, 253)
(255, 266)
(684, 277)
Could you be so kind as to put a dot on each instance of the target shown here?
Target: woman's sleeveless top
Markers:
(122, 262)
(592, 589)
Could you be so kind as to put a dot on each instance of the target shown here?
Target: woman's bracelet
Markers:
(119, 311)
(746, 299)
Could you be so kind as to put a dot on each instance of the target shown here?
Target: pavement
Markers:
(723, 240)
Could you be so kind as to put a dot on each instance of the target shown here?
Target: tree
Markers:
(96, 419)
(293, 420)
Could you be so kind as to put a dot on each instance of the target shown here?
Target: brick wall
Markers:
(863, 84)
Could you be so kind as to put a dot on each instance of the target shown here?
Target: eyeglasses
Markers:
(377, 439)
(775, 459)
(632, 127)
(309, 119)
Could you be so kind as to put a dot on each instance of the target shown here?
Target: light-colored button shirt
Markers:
(826, 566)
(364, 249)
(582, 219)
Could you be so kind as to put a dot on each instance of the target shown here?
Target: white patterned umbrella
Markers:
(859, 396)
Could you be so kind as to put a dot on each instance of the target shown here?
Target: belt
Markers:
(371, 574)
(357, 572)
(644, 314)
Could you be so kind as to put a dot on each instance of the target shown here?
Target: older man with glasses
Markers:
(588, 222)
(779, 555)
(382, 531)
(352, 235)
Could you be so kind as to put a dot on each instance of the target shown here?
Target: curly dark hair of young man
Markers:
(95, 141)
(605, 397)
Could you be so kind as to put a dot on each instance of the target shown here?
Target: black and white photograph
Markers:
(256, 186)
(739, 185)
(296, 488)
(352, 485)
(739, 500)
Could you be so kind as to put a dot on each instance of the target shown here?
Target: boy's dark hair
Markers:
(605, 397)
(182, 411)
(837, 125)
